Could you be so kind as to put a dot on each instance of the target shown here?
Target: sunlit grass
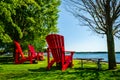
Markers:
(10, 71)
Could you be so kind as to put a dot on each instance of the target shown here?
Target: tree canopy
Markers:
(28, 21)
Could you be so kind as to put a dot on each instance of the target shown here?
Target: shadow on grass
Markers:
(9, 60)
(44, 69)
(42, 74)
(78, 74)
(1, 68)
(37, 70)
(6, 60)
(91, 69)
(75, 73)
(95, 74)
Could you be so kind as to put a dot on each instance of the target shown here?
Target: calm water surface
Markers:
(95, 55)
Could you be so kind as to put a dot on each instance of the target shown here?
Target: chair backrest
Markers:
(56, 46)
(32, 51)
(18, 50)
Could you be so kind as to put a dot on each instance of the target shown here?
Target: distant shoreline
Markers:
(107, 62)
(95, 52)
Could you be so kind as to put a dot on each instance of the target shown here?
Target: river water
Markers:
(103, 55)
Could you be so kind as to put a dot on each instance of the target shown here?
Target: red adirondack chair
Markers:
(19, 56)
(38, 56)
(56, 47)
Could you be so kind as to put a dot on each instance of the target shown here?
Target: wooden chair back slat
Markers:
(56, 45)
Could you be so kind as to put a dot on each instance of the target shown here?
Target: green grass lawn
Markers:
(26, 71)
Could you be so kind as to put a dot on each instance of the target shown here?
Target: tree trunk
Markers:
(111, 51)
(110, 37)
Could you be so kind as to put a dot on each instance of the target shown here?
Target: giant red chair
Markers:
(19, 56)
(57, 49)
(37, 55)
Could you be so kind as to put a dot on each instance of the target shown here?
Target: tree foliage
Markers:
(101, 16)
(28, 21)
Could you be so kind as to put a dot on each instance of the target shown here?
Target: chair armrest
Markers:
(71, 52)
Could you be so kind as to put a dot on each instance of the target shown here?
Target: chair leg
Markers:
(50, 64)
(71, 65)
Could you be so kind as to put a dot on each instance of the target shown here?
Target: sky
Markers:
(79, 38)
